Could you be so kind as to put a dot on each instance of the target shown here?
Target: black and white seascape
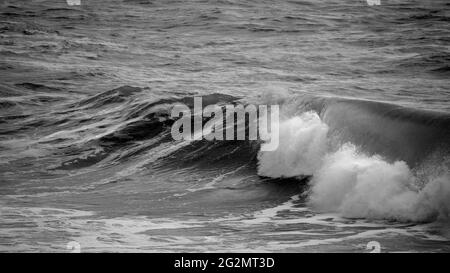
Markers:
(89, 161)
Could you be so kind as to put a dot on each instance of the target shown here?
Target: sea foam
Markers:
(352, 183)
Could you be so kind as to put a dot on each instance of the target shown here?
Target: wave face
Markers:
(365, 181)
(86, 153)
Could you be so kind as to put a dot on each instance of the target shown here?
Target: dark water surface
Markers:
(86, 153)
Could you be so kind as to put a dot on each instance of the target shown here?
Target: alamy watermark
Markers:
(249, 118)
(73, 2)
(373, 246)
(74, 247)
(78, 2)
(373, 2)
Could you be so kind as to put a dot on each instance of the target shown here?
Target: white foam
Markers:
(302, 145)
(352, 183)
(357, 185)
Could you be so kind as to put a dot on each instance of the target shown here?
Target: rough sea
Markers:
(86, 154)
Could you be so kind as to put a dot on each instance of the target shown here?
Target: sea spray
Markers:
(302, 145)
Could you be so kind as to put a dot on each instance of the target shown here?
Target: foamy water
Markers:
(86, 155)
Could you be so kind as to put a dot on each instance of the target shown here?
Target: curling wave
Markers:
(367, 159)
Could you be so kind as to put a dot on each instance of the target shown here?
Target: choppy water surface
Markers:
(86, 153)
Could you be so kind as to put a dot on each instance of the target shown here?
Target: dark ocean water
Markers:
(86, 153)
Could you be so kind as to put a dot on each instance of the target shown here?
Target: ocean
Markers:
(88, 163)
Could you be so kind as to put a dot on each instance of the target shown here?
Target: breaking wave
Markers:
(361, 186)
(364, 159)
(360, 172)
